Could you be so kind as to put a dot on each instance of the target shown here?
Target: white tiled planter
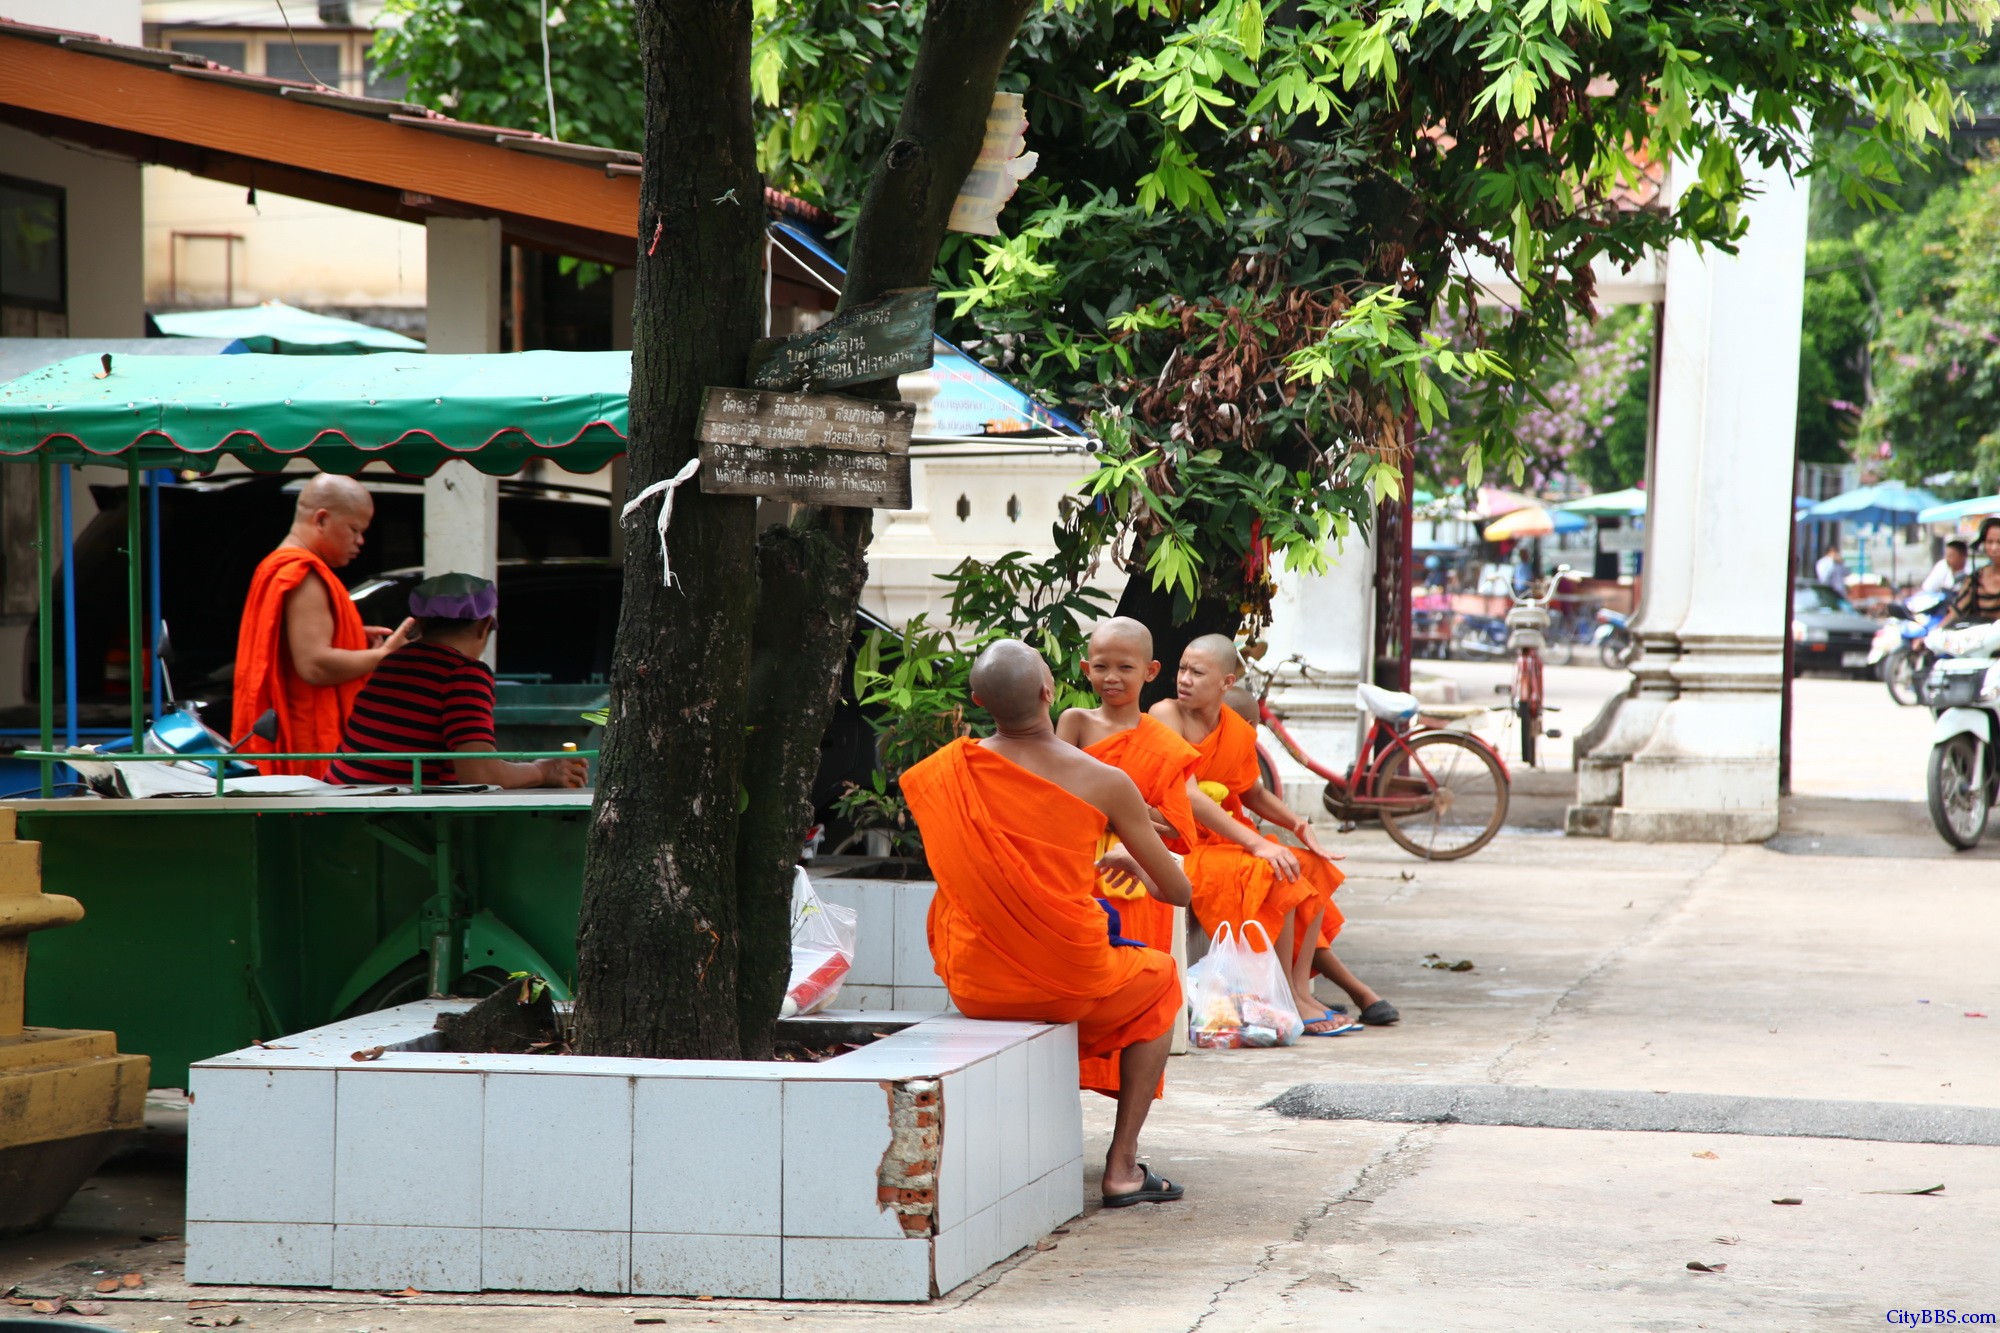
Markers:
(892, 953)
(449, 1172)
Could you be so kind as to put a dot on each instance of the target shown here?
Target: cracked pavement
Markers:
(1685, 969)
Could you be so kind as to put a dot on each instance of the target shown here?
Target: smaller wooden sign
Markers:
(824, 449)
(876, 340)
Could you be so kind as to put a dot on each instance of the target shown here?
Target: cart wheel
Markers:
(410, 981)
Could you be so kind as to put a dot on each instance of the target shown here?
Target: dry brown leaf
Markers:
(1045, 1245)
(49, 1307)
(1729, 1240)
(371, 1053)
(406, 1291)
(87, 1307)
(109, 1284)
(1928, 1189)
(649, 1319)
(1698, 1266)
(1792, 1201)
(1710, 1156)
(133, 1280)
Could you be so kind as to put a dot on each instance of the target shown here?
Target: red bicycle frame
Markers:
(1357, 790)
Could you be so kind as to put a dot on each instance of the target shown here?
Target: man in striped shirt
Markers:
(434, 695)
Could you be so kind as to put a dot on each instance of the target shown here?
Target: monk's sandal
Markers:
(1154, 1189)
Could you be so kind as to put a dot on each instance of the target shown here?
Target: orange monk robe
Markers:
(1159, 761)
(309, 716)
(1014, 930)
(1229, 883)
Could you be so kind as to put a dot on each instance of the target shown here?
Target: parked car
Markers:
(1828, 634)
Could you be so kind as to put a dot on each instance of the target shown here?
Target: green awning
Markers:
(412, 412)
(1612, 504)
(277, 327)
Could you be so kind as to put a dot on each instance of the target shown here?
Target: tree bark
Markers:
(810, 577)
(657, 956)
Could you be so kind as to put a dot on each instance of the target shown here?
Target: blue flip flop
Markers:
(1342, 1028)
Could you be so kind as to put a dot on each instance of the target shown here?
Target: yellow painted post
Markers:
(70, 1096)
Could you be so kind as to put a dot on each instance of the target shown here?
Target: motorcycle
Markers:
(1613, 637)
(1490, 636)
(1963, 691)
(1899, 652)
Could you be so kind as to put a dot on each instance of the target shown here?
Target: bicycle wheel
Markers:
(1468, 796)
(1560, 641)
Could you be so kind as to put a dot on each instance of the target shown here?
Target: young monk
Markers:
(1011, 827)
(1237, 874)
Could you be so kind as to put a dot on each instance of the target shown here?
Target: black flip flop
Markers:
(1154, 1189)
(1380, 1014)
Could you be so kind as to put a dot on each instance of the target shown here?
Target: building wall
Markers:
(102, 207)
(115, 19)
(291, 250)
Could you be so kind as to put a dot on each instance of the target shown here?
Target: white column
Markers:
(462, 298)
(1692, 752)
(1327, 619)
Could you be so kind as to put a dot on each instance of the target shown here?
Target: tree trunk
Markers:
(657, 943)
(811, 576)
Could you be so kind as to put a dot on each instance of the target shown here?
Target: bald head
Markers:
(1220, 651)
(1012, 682)
(1123, 632)
(332, 515)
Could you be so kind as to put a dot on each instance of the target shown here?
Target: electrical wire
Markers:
(317, 81)
(548, 76)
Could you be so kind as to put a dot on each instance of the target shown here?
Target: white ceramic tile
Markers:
(835, 1135)
(260, 1254)
(874, 904)
(949, 1265)
(1062, 1194)
(979, 1119)
(951, 1186)
(407, 1148)
(707, 1266)
(558, 1152)
(707, 1157)
(394, 1258)
(516, 1259)
(1011, 1081)
(1068, 1143)
(857, 1270)
(1046, 1095)
(982, 1239)
(913, 947)
(866, 998)
(1021, 1218)
(923, 999)
(260, 1146)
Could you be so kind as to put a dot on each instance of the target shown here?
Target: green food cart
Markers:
(216, 920)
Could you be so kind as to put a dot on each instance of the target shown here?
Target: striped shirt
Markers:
(422, 698)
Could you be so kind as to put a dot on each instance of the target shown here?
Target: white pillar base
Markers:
(1328, 620)
(462, 298)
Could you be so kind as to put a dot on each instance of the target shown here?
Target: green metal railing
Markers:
(50, 757)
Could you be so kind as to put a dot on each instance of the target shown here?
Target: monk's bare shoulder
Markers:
(1168, 711)
(1074, 726)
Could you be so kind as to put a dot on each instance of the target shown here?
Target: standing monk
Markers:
(302, 648)
(1011, 827)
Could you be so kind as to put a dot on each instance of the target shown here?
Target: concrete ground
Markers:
(1596, 966)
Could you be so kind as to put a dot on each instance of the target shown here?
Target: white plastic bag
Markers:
(1238, 996)
(822, 949)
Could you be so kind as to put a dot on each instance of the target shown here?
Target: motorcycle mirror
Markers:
(265, 728)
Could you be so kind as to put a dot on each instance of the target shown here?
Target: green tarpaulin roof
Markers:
(414, 413)
(277, 327)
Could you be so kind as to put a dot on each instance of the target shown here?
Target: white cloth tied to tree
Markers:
(665, 488)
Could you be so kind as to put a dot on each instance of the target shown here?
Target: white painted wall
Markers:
(104, 204)
(462, 504)
(118, 20)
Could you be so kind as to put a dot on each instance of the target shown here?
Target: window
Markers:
(32, 274)
(233, 54)
(320, 63)
(395, 87)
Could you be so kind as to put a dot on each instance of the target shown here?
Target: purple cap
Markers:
(454, 597)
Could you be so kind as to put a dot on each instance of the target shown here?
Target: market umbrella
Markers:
(1886, 502)
(1533, 521)
(1977, 507)
(277, 327)
(1493, 502)
(1612, 504)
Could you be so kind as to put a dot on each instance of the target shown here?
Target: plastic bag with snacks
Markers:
(822, 949)
(1237, 994)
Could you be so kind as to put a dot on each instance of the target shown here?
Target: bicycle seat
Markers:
(1389, 705)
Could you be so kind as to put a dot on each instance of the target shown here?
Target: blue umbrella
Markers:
(1887, 502)
(1977, 507)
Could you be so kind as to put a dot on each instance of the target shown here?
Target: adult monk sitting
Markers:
(1239, 875)
(1011, 827)
(302, 648)
(435, 695)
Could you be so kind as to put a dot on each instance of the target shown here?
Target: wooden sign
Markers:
(876, 340)
(825, 449)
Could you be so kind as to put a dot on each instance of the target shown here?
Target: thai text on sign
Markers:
(875, 340)
(807, 448)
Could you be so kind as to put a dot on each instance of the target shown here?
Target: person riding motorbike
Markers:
(1978, 598)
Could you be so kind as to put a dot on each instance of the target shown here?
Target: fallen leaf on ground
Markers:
(704, 1298)
(1974, 1013)
(133, 1280)
(48, 1307)
(372, 1053)
(87, 1307)
(109, 1284)
(1060, 1231)
(1728, 1240)
(649, 1319)
(1698, 1266)
(164, 1235)
(216, 1321)
(1788, 1201)
(1928, 1189)
(406, 1291)
(1711, 1156)
(1045, 1245)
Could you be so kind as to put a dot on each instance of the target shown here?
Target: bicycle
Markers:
(1440, 794)
(1527, 639)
